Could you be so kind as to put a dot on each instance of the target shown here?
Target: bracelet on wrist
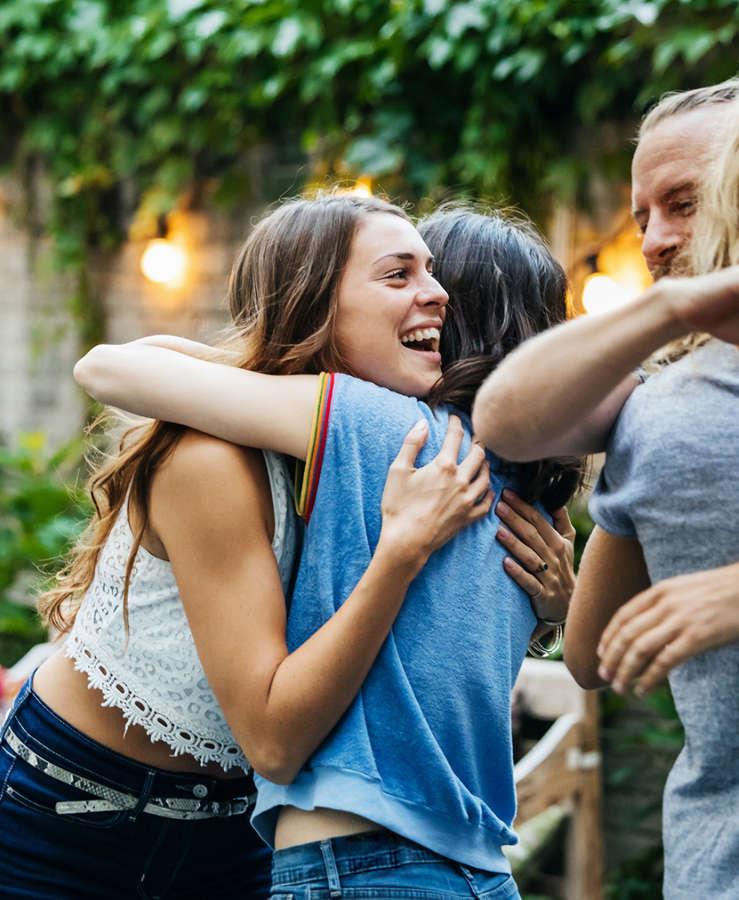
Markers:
(536, 648)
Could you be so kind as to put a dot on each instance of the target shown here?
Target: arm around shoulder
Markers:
(243, 407)
(560, 392)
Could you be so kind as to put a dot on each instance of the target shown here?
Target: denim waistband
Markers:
(350, 854)
(54, 739)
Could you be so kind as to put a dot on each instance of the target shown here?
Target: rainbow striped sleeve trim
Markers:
(308, 474)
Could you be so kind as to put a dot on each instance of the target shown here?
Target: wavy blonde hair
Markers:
(677, 102)
(715, 241)
(283, 295)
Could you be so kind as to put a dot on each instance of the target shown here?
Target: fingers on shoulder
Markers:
(531, 525)
(563, 524)
(480, 506)
(452, 439)
(411, 446)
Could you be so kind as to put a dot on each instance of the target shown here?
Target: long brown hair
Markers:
(283, 300)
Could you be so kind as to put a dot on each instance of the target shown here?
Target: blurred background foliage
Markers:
(128, 104)
(42, 509)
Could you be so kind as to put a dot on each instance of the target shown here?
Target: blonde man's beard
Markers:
(661, 271)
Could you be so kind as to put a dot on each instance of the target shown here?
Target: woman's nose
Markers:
(432, 293)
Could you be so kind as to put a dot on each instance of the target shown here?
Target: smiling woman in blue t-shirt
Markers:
(417, 777)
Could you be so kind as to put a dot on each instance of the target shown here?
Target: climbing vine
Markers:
(124, 106)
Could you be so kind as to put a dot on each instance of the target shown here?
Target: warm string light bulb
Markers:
(601, 293)
(620, 277)
(362, 187)
(164, 262)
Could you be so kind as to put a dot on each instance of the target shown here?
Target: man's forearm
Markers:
(560, 392)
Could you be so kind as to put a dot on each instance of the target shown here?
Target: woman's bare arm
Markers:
(188, 347)
(560, 392)
(249, 408)
(207, 508)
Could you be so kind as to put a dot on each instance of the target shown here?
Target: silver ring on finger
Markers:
(542, 567)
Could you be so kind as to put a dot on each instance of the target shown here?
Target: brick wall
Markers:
(38, 336)
(37, 339)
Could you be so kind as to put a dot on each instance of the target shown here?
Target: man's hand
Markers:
(707, 302)
(668, 624)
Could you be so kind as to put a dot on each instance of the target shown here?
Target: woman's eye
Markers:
(398, 273)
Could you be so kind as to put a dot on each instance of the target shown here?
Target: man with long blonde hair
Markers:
(666, 508)
(524, 408)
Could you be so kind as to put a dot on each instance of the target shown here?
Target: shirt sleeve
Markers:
(358, 428)
(619, 487)
(307, 474)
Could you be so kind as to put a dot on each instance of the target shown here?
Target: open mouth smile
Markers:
(422, 339)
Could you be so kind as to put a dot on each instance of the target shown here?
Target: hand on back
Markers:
(424, 508)
(544, 554)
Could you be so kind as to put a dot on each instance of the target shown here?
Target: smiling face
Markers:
(390, 307)
(665, 173)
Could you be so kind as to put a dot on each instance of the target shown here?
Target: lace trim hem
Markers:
(158, 726)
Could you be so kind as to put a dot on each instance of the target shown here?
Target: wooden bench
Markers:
(560, 776)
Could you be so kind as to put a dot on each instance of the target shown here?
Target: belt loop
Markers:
(143, 797)
(470, 879)
(332, 873)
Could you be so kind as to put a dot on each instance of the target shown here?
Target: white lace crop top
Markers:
(156, 680)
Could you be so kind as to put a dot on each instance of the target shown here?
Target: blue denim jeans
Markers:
(115, 853)
(382, 866)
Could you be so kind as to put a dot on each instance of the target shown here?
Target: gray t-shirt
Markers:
(671, 480)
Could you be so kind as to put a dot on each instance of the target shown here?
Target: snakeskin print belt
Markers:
(111, 800)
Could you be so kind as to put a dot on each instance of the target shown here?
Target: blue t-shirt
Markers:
(425, 748)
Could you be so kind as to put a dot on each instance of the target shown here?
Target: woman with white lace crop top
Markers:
(412, 791)
(125, 762)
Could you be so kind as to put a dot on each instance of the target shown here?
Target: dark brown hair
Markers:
(504, 286)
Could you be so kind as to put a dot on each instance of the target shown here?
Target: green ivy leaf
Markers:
(287, 36)
(180, 9)
(373, 156)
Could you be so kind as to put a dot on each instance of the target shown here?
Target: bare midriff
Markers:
(300, 826)
(68, 693)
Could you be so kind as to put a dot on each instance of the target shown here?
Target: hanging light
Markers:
(164, 262)
(601, 293)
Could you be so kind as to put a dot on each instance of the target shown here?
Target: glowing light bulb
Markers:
(362, 187)
(601, 294)
(164, 262)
